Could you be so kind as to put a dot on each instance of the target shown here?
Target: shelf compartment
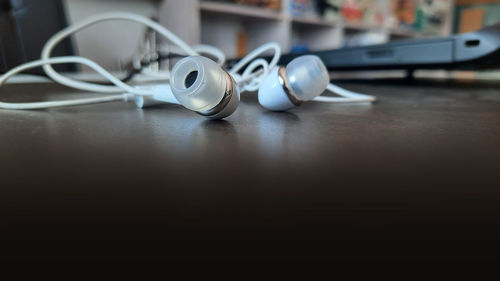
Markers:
(360, 27)
(314, 21)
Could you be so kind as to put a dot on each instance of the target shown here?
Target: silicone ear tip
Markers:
(308, 76)
(198, 83)
(201, 85)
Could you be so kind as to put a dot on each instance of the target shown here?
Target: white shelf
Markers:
(360, 27)
(228, 25)
(239, 10)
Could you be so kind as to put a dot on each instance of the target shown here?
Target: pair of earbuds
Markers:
(196, 82)
(201, 85)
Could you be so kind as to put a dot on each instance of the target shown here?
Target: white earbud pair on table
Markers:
(201, 85)
(196, 82)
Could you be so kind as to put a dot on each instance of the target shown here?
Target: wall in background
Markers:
(111, 44)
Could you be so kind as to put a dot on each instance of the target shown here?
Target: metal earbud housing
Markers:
(201, 85)
(303, 79)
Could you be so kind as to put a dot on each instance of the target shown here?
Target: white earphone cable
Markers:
(61, 35)
(346, 96)
(69, 59)
(119, 87)
(74, 59)
(249, 80)
(211, 51)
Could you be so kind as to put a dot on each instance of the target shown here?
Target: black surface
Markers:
(25, 27)
(12, 52)
(414, 177)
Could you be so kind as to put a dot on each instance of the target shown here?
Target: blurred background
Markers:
(236, 26)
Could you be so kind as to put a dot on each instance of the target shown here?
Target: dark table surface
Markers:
(415, 176)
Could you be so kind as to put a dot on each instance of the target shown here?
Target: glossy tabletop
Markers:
(415, 176)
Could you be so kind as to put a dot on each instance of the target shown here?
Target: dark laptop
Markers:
(469, 51)
(25, 26)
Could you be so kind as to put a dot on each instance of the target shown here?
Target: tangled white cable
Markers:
(250, 78)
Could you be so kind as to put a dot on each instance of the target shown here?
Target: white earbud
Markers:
(201, 85)
(303, 79)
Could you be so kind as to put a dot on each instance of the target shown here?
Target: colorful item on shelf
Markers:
(299, 48)
(421, 15)
(270, 4)
(329, 9)
(242, 44)
(302, 8)
(405, 12)
(431, 14)
(351, 11)
(372, 12)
